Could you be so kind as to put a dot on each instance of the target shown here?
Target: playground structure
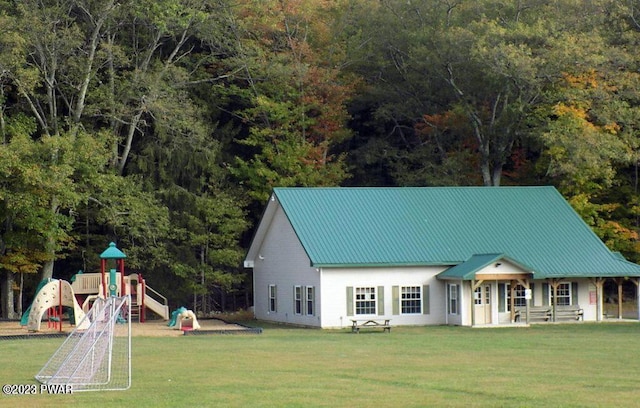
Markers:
(86, 288)
(184, 319)
(55, 294)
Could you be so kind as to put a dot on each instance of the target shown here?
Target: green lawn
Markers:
(578, 365)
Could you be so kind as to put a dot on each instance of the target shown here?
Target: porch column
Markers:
(554, 283)
(619, 282)
(599, 284)
(636, 281)
(512, 300)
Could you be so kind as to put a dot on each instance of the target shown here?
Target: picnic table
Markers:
(383, 324)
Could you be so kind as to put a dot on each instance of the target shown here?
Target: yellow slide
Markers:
(48, 297)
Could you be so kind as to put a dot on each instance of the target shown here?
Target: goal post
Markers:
(97, 358)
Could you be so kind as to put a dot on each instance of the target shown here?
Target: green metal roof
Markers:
(533, 226)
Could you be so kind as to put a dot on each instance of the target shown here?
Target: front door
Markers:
(482, 304)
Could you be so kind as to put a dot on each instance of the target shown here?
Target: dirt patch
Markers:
(151, 328)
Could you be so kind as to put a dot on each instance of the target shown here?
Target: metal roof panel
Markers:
(447, 225)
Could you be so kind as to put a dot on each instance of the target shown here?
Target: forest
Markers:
(163, 125)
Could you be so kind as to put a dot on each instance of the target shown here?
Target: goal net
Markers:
(97, 358)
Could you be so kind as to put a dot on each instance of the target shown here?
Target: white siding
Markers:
(336, 280)
(585, 300)
(282, 261)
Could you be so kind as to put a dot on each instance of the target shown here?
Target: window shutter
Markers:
(574, 293)
(425, 299)
(349, 300)
(380, 300)
(502, 297)
(395, 299)
(545, 294)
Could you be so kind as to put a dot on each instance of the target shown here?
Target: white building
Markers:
(418, 256)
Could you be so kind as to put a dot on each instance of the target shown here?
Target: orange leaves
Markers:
(583, 80)
(562, 109)
(23, 260)
(589, 79)
(440, 122)
(612, 128)
(579, 114)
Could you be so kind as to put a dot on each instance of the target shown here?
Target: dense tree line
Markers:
(163, 125)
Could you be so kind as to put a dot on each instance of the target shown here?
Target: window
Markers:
(480, 297)
(297, 300)
(310, 298)
(273, 298)
(411, 300)
(365, 301)
(519, 299)
(563, 293)
(453, 298)
(477, 296)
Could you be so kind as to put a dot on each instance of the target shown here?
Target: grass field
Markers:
(572, 365)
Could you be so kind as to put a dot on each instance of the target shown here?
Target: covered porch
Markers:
(494, 290)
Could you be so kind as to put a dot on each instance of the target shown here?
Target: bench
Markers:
(371, 324)
(542, 313)
(572, 312)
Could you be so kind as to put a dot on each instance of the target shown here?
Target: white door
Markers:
(482, 304)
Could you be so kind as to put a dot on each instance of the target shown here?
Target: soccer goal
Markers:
(97, 358)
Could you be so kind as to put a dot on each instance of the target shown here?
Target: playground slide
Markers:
(181, 314)
(49, 296)
(157, 307)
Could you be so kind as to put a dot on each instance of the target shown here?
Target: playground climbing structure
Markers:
(55, 294)
(90, 286)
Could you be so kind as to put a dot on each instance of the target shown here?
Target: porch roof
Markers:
(467, 270)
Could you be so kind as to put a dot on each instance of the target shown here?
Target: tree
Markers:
(33, 174)
(591, 121)
(487, 62)
(132, 76)
(297, 110)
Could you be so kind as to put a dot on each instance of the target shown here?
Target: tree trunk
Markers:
(47, 267)
(203, 281)
(19, 308)
(50, 244)
(8, 307)
(497, 174)
(47, 270)
(3, 134)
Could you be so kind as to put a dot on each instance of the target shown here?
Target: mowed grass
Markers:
(579, 365)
